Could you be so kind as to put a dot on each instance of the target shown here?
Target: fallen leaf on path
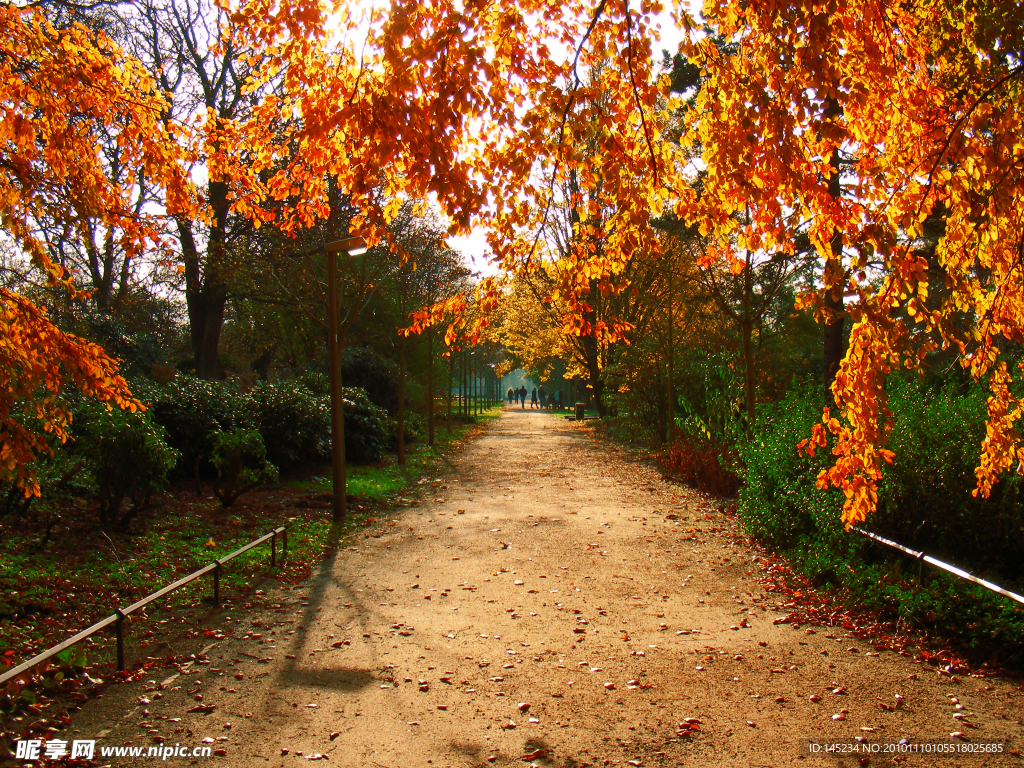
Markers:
(202, 708)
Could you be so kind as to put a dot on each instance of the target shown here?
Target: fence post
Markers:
(284, 545)
(920, 568)
(216, 583)
(119, 631)
(273, 549)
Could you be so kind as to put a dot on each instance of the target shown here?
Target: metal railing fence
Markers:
(922, 558)
(117, 618)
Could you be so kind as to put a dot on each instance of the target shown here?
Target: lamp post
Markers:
(352, 246)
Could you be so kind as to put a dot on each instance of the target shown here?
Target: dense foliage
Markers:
(241, 462)
(292, 417)
(128, 456)
(925, 502)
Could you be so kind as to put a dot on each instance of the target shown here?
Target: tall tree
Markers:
(191, 51)
(810, 104)
(63, 91)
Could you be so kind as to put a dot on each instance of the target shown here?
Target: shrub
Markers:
(366, 430)
(924, 503)
(241, 462)
(190, 409)
(293, 418)
(703, 464)
(925, 498)
(415, 429)
(128, 456)
(294, 422)
(779, 502)
(315, 382)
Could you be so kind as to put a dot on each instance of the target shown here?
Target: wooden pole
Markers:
(337, 415)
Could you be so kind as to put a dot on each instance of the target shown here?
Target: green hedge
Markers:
(925, 502)
(293, 418)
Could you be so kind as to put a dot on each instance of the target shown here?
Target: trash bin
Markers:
(581, 410)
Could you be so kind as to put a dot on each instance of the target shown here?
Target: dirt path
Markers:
(542, 605)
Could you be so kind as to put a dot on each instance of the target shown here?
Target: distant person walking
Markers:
(510, 395)
(533, 398)
(543, 396)
(522, 397)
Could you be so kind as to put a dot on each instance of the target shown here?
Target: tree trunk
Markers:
(747, 329)
(448, 418)
(430, 387)
(671, 363)
(401, 399)
(464, 388)
(206, 293)
(592, 352)
(834, 276)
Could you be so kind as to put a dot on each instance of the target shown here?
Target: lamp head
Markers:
(353, 246)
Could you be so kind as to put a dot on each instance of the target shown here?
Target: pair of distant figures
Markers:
(538, 397)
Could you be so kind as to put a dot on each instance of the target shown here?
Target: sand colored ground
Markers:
(548, 602)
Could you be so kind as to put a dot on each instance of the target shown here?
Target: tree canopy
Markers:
(888, 137)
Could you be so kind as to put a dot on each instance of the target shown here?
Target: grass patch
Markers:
(387, 479)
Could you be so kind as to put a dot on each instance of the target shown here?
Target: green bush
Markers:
(294, 422)
(376, 375)
(925, 499)
(241, 462)
(293, 418)
(366, 429)
(127, 455)
(924, 503)
(415, 429)
(190, 409)
(778, 501)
